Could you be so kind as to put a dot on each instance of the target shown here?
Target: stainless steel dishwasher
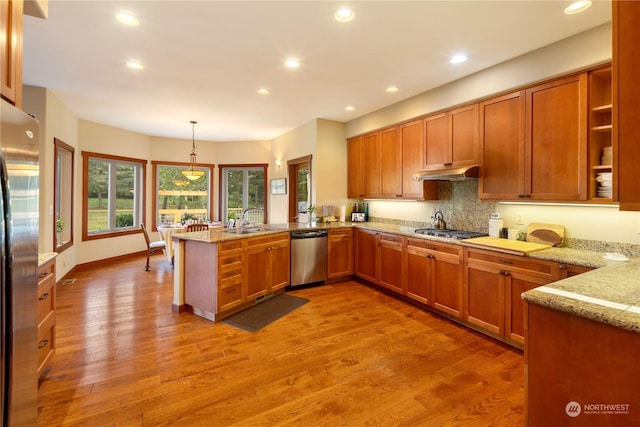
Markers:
(308, 256)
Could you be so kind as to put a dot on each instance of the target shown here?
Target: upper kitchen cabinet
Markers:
(382, 163)
(355, 168)
(536, 149)
(602, 187)
(451, 138)
(11, 51)
(626, 107)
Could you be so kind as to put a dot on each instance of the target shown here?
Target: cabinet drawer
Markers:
(46, 299)
(230, 294)
(341, 234)
(230, 272)
(46, 271)
(229, 260)
(391, 238)
(432, 246)
(233, 245)
(46, 337)
(511, 262)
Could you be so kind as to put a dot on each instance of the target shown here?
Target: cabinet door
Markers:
(447, 284)
(556, 140)
(502, 147)
(355, 171)
(391, 163)
(463, 135)
(514, 310)
(11, 51)
(340, 253)
(436, 148)
(256, 271)
(390, 265)
(278, 271)
(419, 274)
(371, 165)
(626, 108)
(366, 243)
(484, 297)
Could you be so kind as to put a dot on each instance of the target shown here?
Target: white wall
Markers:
(330, 172)
(56, 121)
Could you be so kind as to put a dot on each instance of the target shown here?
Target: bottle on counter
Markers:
(366, 211)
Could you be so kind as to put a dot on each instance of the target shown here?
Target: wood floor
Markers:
(352, 356)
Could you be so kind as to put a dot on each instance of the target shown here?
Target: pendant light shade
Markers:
(192, 173)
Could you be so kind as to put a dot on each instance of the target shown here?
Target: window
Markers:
(300, 188)
(242, 188)
(113, 195)
(176, 196)
(63, 196)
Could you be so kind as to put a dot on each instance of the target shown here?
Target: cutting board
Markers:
(515, 247)
(549, 234)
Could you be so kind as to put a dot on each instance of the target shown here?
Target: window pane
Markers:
(125, 195)
(98, 203)
(177, 197)
(234, 193)
(242, 188)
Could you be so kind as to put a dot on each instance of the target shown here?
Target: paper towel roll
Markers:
(343, 212)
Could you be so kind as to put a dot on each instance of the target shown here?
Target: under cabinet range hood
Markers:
(448, 174)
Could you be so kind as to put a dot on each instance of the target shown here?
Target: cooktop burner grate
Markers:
(450, 234)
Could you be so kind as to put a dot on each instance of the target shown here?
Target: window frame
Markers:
(222, 191)
(86, 156)
(154, 185)
(63, 185)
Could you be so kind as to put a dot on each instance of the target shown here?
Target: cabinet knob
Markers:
(43, 344)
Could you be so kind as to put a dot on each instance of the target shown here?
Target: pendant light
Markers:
(192, 173)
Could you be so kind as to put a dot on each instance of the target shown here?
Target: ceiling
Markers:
(205, 60)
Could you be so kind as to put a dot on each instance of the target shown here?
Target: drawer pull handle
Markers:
(228, 291)
(43, 275)
(562, 267)
(506, 261)
(43, 344)
(44, 297)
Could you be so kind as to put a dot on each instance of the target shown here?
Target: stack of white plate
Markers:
(604, 180)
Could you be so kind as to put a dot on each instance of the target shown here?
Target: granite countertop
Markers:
(44, 257)
(609, 294)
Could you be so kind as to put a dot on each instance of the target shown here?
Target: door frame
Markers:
(292, 170)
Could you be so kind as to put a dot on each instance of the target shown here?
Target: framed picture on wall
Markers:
(279, 186)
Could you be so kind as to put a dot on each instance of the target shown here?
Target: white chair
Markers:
(152, 247)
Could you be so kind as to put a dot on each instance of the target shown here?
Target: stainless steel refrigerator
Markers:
(18, 265)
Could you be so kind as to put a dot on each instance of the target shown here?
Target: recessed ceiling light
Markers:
(391, 89)
(292, 63)
(127, 18)
(457, 59)
(577, 7)
(344, 15)
(135, 64)
(349, 108)
(263, 91)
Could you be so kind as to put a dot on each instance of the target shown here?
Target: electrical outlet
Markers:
(519, 220)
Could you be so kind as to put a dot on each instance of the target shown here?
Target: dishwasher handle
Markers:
(308, 234)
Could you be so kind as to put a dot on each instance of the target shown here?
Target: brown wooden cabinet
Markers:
(451, 138)
(355, 168)
(371, 164)
(534, 143)
(11, 51)
(339, 253)
(46, 314)
(412, 139)
(267, 266)
(493, 285)
(600, 137)
(626, 108)
(389, 261)
(434, 275)
(221, 278)
(391, 163)
(379, 258)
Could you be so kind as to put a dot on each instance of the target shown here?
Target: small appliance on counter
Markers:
(495, 225)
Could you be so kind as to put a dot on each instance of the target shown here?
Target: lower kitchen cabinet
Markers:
(339, 253)
(267, 266)
(434, 275)
(379, 258)
(46, 314)
(493, 285)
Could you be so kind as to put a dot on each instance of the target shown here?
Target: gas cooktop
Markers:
(449, 234)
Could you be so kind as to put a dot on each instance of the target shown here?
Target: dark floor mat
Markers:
(260, 315)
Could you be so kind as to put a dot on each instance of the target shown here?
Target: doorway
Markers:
(299, 187)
